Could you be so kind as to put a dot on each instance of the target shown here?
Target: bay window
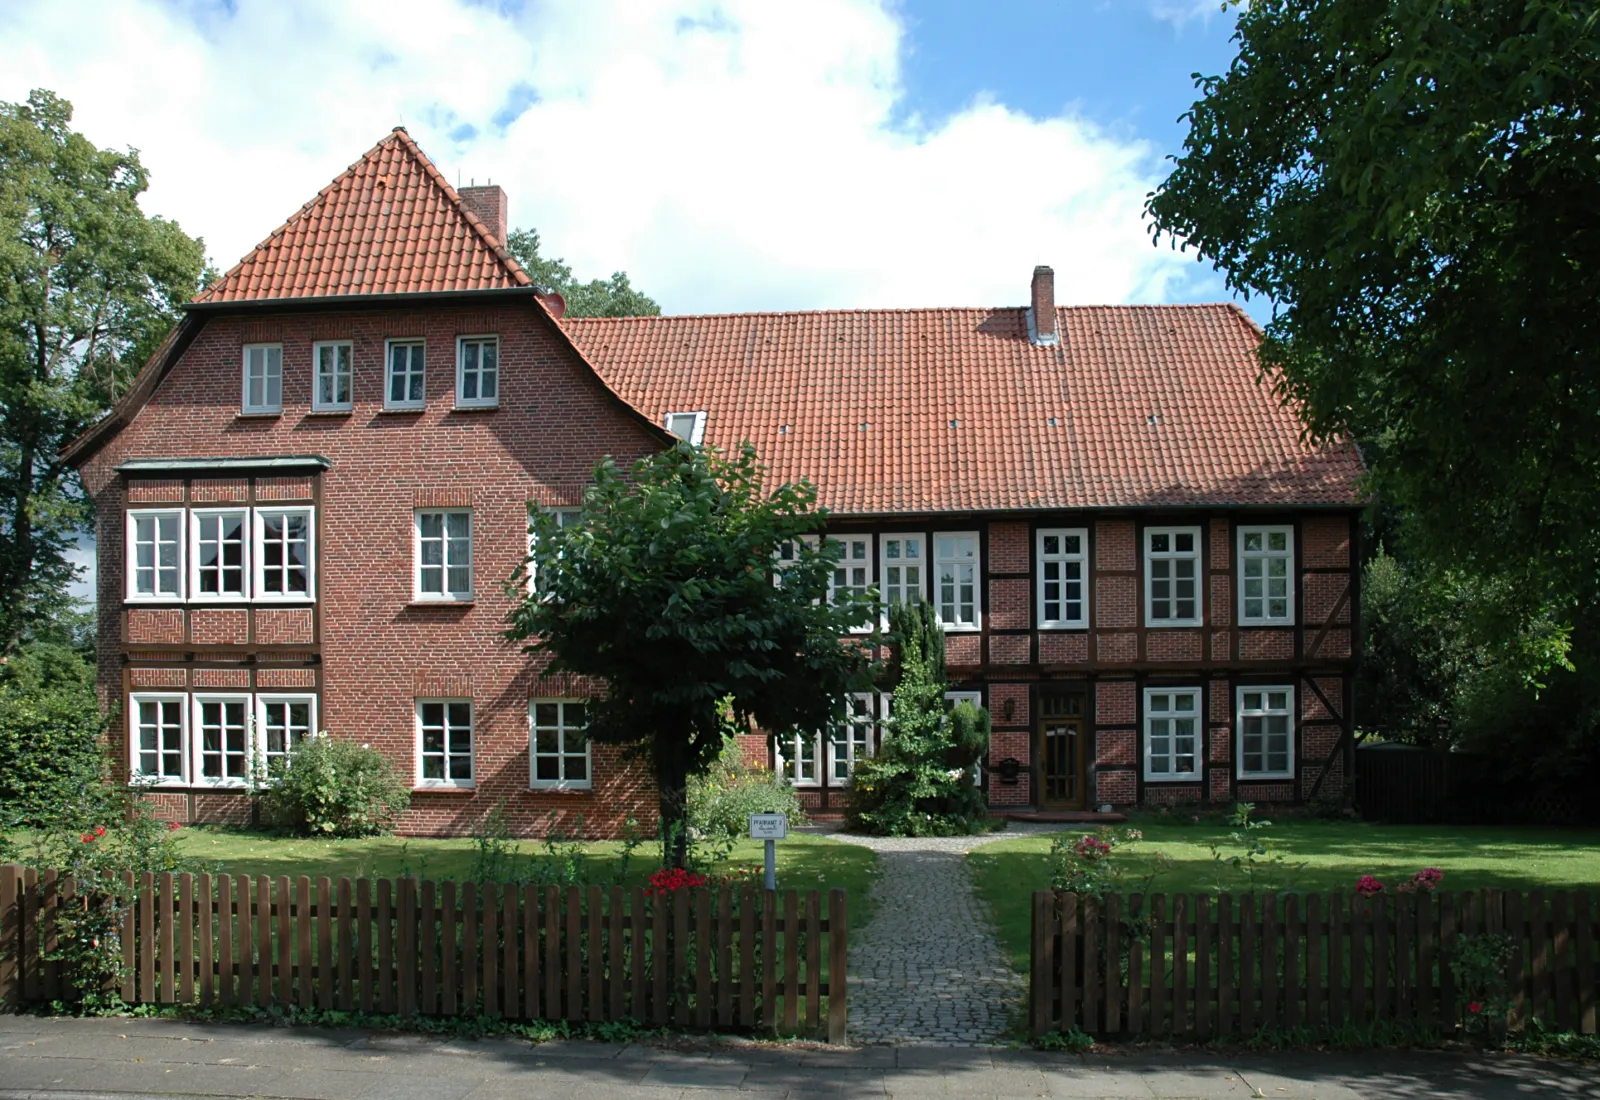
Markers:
(155, 554)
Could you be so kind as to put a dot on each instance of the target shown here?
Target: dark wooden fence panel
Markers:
(700, 958)
(1233, 965)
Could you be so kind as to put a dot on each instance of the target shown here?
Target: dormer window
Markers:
(687, 426)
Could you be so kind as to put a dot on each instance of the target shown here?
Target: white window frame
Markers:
(472, 745)
(563, 514)
(954, 699)
(696, 433)
(258, 588)
(562, 730)
(1063, 559)
(184, 763)
(886, 591)
(854, 738)
(197, 738)
(1266, 530)
(479, 402)
(780, 565)
(349, 374)
(865, 562)
(408, 404)
(265, 406)
(794, 741)
(130, 563)
(1197, 716)
(1264, 711)
(445, 595)
(1151, 557)
(192, 553)
(271, 698)
(977, 581)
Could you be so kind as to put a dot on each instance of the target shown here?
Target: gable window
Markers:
(854, 738)
(797, 758)
(217, 560)
(444, 742)
(405, 388)
(282, 554)
(283, 722)
(222, 739)
(902, 569)
(852, 569)
(1172, 576)
(1171, 733)
(687, 426)
(1062, 564)
(444, 555)
(330, 390)
(263, 378)
(1266, 561)
(559, 747)
(955, 579)
(1266, 733)
(158, 728)
(155, 554)
(478, 372)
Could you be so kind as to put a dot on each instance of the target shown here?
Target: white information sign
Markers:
(769, 826)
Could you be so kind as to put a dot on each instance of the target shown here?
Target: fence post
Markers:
(838, 966)
(1038, 973)
(10, 935)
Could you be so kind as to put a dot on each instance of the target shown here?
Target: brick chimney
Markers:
(1042, 308)
(489, 204)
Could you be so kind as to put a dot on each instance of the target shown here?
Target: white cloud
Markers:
(1182, 12)
(731, 156)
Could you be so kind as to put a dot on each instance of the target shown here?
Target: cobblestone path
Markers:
(926, 969)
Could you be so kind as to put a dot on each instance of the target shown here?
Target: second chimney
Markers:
(1042, 308)
(488, 203)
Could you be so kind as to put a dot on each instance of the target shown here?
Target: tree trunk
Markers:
(672, 785)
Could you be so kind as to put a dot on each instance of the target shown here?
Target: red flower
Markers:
(1427, 879)
(99, 830)
(173, 826)
(1368, 887)
(1474, 1007)
(669, 880)
(87, 837)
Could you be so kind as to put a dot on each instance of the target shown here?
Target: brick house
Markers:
(311, 502)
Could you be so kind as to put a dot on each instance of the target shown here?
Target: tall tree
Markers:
(665, 591)
(613, 297)
(88, 287)
(1415, 186)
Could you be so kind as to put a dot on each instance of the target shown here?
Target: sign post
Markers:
(770, 828)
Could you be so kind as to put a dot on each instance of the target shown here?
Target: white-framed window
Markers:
(1266, 732)
(331, 363)
(221, 727)
(955, 579)
(558, 746)
(787, 556)
(565, 517)
(687, 426)
(282, 557)
(282, 723)
(405, 376)
(155, 554)
(855, 737)
(219, 554)
(443, 554)
(1172, 576)
(477, 372)
(953, 699)
(797, 758)
(1171, 734)
(851, 574)
(158, 732)
(263, 378)
(1266, 571)
(1063, 566)
(902, 570)
(444, 742)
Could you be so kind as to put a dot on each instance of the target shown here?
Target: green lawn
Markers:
(1335, 853)
(804, 862)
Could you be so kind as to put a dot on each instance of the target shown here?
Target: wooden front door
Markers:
(1059, 749)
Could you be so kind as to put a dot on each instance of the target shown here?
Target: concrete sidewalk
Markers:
(62, 1059)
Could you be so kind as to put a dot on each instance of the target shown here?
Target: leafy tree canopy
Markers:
(613, 297)
(1415, 186)
(665, 591)
(88, 287)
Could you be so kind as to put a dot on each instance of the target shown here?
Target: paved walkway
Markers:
(53, 1059)
(926, 969)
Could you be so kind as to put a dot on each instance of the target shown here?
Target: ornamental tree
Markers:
(665, 590)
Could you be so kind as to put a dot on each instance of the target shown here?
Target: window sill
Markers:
(476, 408)
(408, 410)
(1192, 777)
(263, 415)
(441, 603)
(1267, 624)
(563, 790)
(444, 788)
(967, 628)
(1186, 624)
(1275, 777)
(331, 412)
(1061, 628)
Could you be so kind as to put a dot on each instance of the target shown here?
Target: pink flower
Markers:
(1427, 880)
(1474, 1007)
(1091, 848)
(1368, 887)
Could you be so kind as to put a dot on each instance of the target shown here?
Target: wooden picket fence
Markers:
(1233, 965)
(702, 958)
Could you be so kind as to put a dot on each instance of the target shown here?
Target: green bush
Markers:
(330, 787)
(722, 800)
(50, 734)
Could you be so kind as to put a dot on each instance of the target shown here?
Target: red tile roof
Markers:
(389, 224)
(954, 410)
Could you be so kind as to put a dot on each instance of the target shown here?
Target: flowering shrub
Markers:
(1092, 848)
(1483, 994)
(1368, 887)
(1425, 881)
(669, 880)
(1086, 866)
